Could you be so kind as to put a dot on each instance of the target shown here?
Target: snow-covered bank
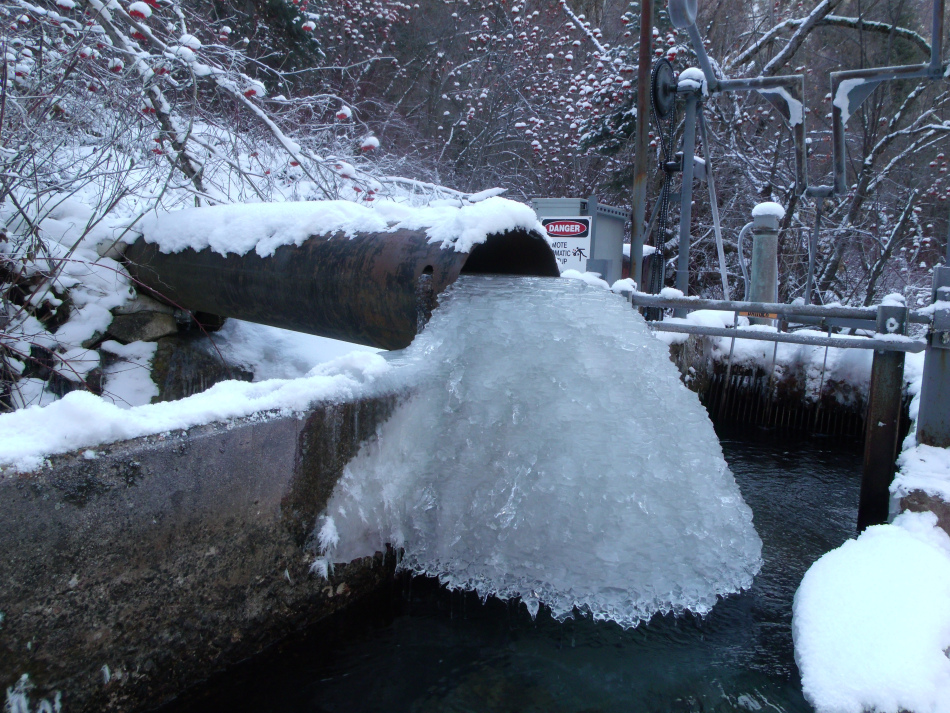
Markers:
(90, 295)
(82, 420)
(871, 619)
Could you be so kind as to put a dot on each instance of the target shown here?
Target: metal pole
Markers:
(641, 299)
(946, 258)
(638, 233)
(714, 206)
(936, 41)
(933, 418)
(813, 251)
(886, 345)
(686, 196)
(764, 287)
(885, 398)
(712, 82)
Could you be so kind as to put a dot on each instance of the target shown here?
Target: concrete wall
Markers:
(129, 577)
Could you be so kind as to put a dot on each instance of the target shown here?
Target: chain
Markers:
(658, 264)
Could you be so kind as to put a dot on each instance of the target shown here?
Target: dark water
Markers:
(422, 649)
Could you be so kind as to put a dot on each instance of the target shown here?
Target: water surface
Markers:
(420, 648)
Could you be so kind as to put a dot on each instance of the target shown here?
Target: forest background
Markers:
(109, 112)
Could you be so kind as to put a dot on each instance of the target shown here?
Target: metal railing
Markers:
(812, 315)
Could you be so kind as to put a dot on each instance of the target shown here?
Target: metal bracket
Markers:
(940, 336)
(676, 165)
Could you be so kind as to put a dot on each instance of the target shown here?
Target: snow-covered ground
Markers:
(872, 621)
(81, 420)
(285, 363)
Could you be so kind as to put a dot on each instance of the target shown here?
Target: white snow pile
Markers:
(923, 468)
(594, 279)
(264, 227)
(274, 353)
(769, 208)
(82, 420)
(871, 621)
(549, 453)
(692, 78)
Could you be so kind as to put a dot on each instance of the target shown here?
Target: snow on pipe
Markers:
(377, 289)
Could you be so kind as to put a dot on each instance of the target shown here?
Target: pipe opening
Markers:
(512, 253)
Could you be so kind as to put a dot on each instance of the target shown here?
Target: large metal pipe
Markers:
(686, 196)
(377, 289)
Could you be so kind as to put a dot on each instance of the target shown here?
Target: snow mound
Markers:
(922, 467)
(82, 420)
(769, 208)
(549, 452)
(274, 353)
(871, 621)
(264, 227)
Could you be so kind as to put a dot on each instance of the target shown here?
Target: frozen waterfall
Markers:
(549, 452)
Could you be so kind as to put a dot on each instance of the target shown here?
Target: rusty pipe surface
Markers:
(376, 289)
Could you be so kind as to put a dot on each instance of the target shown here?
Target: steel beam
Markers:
(933, 418)
(641, 157)
(642, 299)
(686, 194)
(759, 335)
(882, 429)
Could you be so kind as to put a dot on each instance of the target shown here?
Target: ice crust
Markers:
(549, 452)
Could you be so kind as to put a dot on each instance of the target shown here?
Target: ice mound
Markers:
(550, 452)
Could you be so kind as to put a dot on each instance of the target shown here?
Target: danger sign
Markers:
(570, 240)
(567, 227)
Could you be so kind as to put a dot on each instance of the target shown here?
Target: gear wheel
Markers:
(662, 88)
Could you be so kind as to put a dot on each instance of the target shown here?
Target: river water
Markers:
(420, 648)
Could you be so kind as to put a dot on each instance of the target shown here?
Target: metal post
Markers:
(936, 40)
(933, 418)
(638, 232)
(813, 251)
(885, 397)
(764, 279)
(946, 258)
(686, 196)
(712, 82)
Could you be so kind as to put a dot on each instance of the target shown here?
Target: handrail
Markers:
(884, 345)
(643, 299)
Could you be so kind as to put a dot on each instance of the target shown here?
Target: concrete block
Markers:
(133, 575)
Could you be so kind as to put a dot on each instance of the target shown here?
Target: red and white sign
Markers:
(570, 240)
(567, 227)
